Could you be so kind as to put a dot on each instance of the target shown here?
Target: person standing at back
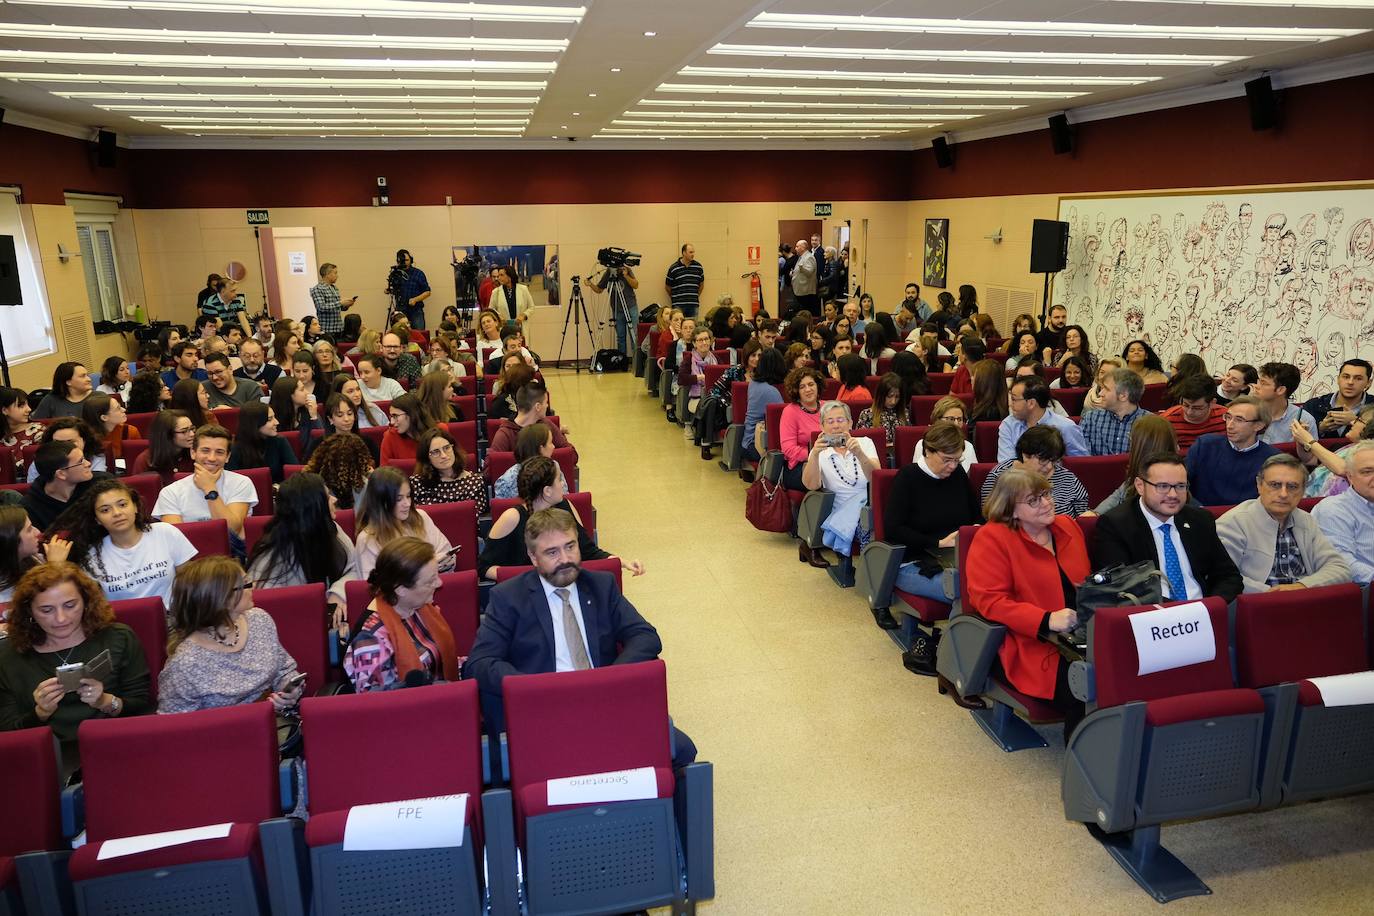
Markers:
(329, 305)
(684, 281)
(414, 290)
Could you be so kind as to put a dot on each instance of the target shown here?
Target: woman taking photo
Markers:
(800, 418)
(170, 438)
(71, 384)
(18, 430)
(368, 414)
(403, 639)
(842, 465)
(222, 650)
(409, 419)
(340, 417)
(1021, 568)
(295, 549)
(345, 463)
(147, 393)
(190, 397)
(887, 411)
(22, 548)
(115, 378)
(1141, 359)
(258, 443)
(441, 474)
(113, 539)
(541, 486)
(532, 440)
(387, 513)
(104, 414)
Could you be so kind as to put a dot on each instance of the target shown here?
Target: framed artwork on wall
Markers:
(936, 252)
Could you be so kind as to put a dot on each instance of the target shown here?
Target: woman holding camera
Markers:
(842, 465)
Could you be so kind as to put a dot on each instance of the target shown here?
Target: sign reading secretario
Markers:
(258, 218)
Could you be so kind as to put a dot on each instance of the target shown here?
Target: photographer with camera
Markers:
(619, 279)
(509, 295)
(409, 288)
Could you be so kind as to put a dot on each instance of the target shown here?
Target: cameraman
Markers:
(629, 315)
(410, 288)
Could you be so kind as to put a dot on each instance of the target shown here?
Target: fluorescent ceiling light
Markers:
(1101, 59)
(1002, 27)
(900, 91)
(268, 81)
(217, 62)
(810, 105)
(871, 76)
(285, 39)
(804, 115)
(353, 9)
(705, 123)
(230, 98)
(1294, 4)
(282, 129)
(166, 120)
(746, 132)
(288, 109)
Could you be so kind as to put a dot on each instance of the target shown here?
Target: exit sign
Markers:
(259, 217)
(823, 209)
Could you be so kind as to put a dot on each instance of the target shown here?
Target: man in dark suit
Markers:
(558, 617)
(1181, 540)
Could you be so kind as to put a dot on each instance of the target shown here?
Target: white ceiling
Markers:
(398, 71)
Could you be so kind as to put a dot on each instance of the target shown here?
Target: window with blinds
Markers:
(25, 330)
(102, 276)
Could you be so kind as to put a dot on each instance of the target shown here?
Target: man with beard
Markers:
(558, 617)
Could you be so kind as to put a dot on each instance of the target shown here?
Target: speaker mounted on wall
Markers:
(1049, 246)
(1264, 104)
(105, 149)
(1061, 134)
(944, 153)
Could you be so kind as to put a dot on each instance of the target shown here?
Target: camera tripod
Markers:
(615, 291)
(577, 314)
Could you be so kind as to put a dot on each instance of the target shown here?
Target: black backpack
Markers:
(610, 361)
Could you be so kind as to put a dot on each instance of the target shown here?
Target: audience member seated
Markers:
(409, 420)
(1335, 413)
(1222, 469)
(852, 370)
(115, 378)
(185, 365)
(285, 345)
(147, 393)
(223, 389)
(1093, 399)
(800, 418)
(259, 444)
(1022, 567)
(763, 390)
(1040, 451)
(532, 405)
(488, 344)
(1141, 359)
(1186, 366)
(1347, 519)
(915, 379)
(1077, 345)
(77, 432)
(1161, 528)
(386, 512)
(345, 462)
(930, 498)
(1108, 431)
(64, 474)
(376, 385)
(210, 491)
(170, 438)
(441, 474)
(1196, 412)
(691, 370)
(106, 417)
(1028, 402)
(1276, 386)
(1150, 436)
(223, 650)
(541, 486)
(1023, 344)
(1328, 478)
(369, 414)
(950, 409)
(340, 417)
(59, 618)
(294, 407)
(189, 396)
(1274, 544)
(888, 411)
(989, 393)
(593, 624)
(17, 431)
(839, 464)
(22, 548)
(327, 363)
(294, 548)
(713, 414)
(1235, 382)
(435, 393)
(255, 366)
(403, 641)
(1074, 374)
(968, 352)
(513, 376)
(71, 384)
(536, 439)
(130, 555)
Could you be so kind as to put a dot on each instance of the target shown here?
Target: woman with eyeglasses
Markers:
(1021, 569)
(1329, 478)
(951, 410)
(170, 437)
(441, 474)
(409, 420)
(223, 650)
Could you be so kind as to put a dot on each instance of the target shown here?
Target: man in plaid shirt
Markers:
(329, 308)
(1108, 431)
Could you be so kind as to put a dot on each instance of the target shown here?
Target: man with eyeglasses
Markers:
(1028, 403)
(396, 362)
(1196, 414)
(223, 389)
(1161, 528)
(64, 473)
(1276, 545)
(1222, 467)
(1347, 519)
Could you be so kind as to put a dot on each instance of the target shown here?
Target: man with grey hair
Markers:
(329, 307)
(1108, 431)
(1223, 467)
(1347, 519)
(1276, 545)
(805, 278)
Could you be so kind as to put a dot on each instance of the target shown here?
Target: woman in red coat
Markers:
(409, 421)
(1022, 570)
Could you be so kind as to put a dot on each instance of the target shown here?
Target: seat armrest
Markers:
(43, 882)
(73, 810)
(285, 863)
(498, 829)
(694, 809)
(487, 775)
(876, 572)
(1083, 681)
(967, 651)
(772, 466)
(1102, 768)
(811, 515)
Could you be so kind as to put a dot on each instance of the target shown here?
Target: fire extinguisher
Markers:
(755, 292)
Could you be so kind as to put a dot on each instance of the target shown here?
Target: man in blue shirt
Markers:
(1222, 469)
(186, 364)
(684, 280)
(1027, 402)
(1277, 384)
(1347, 519)
(413, 290)
(1108, 431)
(1335, 412)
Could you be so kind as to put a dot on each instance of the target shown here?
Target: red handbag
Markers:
(767, 507)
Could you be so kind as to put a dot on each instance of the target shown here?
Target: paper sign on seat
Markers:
(416, 823)
(1346, 689)
(593, 788)
(131, 845)
(1173, 637)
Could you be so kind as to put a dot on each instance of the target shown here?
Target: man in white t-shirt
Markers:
(210, 491)
(376, 386)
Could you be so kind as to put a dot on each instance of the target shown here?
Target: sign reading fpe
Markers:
(824, 209)
(258, 218)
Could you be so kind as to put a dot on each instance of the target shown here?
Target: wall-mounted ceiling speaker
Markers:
(944, 153)
(105, 149)
(1061, 134)
(1264, 104)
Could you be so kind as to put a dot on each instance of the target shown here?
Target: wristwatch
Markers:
(211, 495)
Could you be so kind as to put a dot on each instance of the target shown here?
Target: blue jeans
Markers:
(415, 314)
(622, 327)
(909, 579)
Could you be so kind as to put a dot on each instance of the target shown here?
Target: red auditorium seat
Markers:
(254, 525)
(458, 522)
(456, 600)
(302, 621)
(985, 440)
(940, 383)
(904, 444)
(132, 449)
(923, 404)
(32, 869)
(147, 617)
(209, 538)
(1100, 474)
(1071, 399)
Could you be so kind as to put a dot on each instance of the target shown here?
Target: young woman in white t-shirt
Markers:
(115, 541)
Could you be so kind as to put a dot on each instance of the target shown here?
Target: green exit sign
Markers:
(259, 218)
(823, 209)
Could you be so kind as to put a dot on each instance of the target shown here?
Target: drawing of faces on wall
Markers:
(1361, 247)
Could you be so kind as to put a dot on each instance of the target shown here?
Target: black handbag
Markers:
(1119, 586)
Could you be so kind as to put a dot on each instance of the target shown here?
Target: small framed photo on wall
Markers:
(936, 250)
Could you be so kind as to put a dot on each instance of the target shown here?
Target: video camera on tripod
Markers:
(615, 258)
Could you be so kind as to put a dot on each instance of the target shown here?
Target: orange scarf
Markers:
(406, 658)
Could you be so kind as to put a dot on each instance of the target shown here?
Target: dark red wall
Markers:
(47, 165)
(1327, 135)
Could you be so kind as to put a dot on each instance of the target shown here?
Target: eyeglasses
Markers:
(1164, 489)
(183, 430)
(1036, 499)
(84, 462)
(441, 451)
(1283, 486)
(1232, 418)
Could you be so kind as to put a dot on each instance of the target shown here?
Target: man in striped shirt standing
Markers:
(1197, 413)
(684, 281)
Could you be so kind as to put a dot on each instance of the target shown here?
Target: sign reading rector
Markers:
(824, 209)
(1173, 637)
(258, 218)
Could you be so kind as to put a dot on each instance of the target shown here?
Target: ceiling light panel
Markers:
(225, 62)
(1077, 58)
(235, 97)
(870, 91)
(894, 76)
(371, 9)
(36, 76)
(545, 46)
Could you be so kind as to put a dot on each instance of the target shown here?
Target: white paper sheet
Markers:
(1346, 689)
(415, 823)
(620, 785)
(129, 845)
(1172, 637)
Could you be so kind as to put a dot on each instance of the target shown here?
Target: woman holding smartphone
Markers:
(840, 464)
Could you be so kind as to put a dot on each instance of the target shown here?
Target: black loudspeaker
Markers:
(105, 149)
(944, 153)
(1049, 246)
(1264, 104)
(9, 273)
(1061, 134)
(2, 116)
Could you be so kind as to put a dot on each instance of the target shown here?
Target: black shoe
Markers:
(706, 453)
(672, 416)
(920, 658)
(884, 619)
(746, 475)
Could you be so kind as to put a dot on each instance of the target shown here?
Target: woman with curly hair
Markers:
(59, 617)
(1141, 359)
(386, 512)
(441, 474)
(344, 462)
(800, 418)
(147, 393)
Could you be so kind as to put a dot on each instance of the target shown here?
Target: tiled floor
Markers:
(845, 784)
